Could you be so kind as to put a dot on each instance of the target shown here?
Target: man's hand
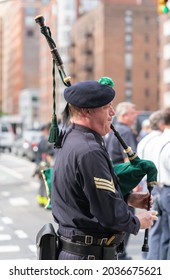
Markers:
(140, 200)
(147, 218)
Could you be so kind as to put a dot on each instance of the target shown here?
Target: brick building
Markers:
(164, 59)
(20, 49)
(119, 39)
(116, 38)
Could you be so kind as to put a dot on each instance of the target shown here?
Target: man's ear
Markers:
(86, 111)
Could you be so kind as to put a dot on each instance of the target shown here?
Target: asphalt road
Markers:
(21, 217)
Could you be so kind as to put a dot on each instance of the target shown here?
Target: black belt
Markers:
(92, 252)
(166, 186)
(104, 241)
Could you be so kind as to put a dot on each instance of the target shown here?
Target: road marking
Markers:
(1, 228)
(35, 185)
(12, 172)
(32, 248)
(18, 201)
(7, 249)
(5, 194)
(22, 259)
(7, 220)
(21, 234)
(4, 237)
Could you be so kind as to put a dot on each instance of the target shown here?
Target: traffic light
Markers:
(162, 7)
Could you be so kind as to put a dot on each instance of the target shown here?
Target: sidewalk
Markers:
(134, 248)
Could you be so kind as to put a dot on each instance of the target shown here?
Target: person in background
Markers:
(161, 158)
(146, 149)
(87, 203)
(145, 146)
(125, 120)
(145, 129)
(44, 159)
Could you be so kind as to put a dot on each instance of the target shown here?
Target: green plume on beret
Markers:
(106, 81)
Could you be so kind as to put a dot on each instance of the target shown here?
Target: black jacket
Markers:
(85, 192)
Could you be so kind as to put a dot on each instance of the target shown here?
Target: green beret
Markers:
(89, 94)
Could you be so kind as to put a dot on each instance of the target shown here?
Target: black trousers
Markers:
(63, 255)
(126, 240)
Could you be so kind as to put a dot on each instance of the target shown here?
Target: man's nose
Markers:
(112, 111)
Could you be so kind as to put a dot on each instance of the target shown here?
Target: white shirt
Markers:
(146, 150)
(146, 147)
(162, 157)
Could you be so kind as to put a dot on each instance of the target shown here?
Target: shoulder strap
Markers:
(160, 155)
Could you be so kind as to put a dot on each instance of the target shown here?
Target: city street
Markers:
(21, 217)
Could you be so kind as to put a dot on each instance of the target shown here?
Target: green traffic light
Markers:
(165, 9)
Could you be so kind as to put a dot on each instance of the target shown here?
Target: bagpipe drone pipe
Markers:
(129, 173)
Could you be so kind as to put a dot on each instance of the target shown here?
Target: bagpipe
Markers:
(129, 173)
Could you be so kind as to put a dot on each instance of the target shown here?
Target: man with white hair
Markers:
(147, 149)
(125, 119)
(162, 161)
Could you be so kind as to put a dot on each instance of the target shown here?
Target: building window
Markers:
(30, 33)
(128, 40)
(146, 18)
(147, 93)
(147, 74)
(68, 20)
(45, 1)
(146, 56)
(168, 39)
(128, 13)
(168, 63)
(128, 60)
(35, 98)
(128, 95)
(128, 75)
(128, 22)
(30, 10)
(29, 21)
(146, 38)
(166, 51)
(166, 28)
(166, 76)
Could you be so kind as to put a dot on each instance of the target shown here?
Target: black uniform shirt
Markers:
(85, 192)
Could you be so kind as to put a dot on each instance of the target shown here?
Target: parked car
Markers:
(26, 145)
(7, 136)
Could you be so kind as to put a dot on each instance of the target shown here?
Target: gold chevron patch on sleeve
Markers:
(104, 184)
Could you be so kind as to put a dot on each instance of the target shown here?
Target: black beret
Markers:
(89, 94)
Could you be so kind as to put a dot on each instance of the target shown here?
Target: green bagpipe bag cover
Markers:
(129, 174)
